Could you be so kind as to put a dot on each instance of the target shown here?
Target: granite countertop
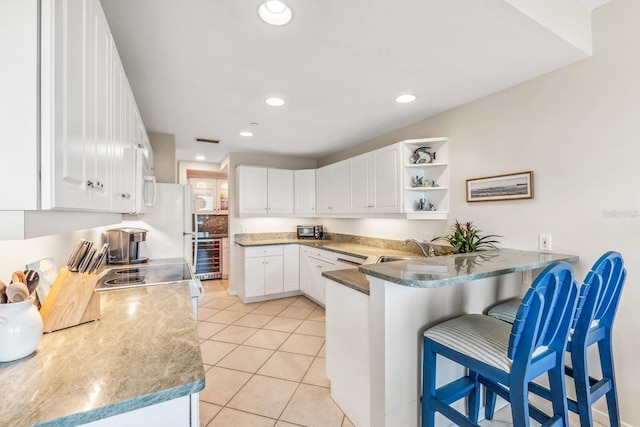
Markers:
(448, 270)
(144, 350)
(369, 254)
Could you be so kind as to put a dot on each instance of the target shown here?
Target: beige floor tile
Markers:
(226, 317)
(347, 422)
(222, 384)
(312, 406)
(231, 418)
(209, 329)
(317, 374)
(253, 320)
(318, 315)
(283, 301)
(267, 339)
(220, 303)
(234, 334)
(244, 308)
(309, 327)
(286, 424)
(296, 312)
(204, 313)
(264, 396)
(214, 351)
(206, 367)
(303, 302)
(302, 344)
(208, 411)
(283, 324)
(323, 351)
(247, 359)
(286, 366)
(269, 309)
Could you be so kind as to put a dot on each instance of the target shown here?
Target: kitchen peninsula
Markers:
(374, 335)
(140, 361)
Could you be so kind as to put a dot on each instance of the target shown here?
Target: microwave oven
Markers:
(310, 232)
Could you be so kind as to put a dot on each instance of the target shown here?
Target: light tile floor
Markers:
(265, 364)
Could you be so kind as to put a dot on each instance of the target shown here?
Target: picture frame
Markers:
(501, 187)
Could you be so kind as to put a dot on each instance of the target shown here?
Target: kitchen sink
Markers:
(391, 258)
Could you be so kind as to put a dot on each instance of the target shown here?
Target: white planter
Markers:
(20, 330)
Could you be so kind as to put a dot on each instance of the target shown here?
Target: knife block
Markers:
(72, 300)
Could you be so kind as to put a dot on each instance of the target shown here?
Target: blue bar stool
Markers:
(504, 357)
(592, 324)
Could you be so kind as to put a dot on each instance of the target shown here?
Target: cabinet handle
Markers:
(330, 207)
(99, 185)
(140, 145)
(319, 266)
(90, 184)
(125, 196)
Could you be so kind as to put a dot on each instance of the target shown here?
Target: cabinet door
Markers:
(305, 272)
(222, 196)
(66, 103)
(252, 193)
(273, 274)
(340, 186)
(291, 277)
(316, 286)
(100, 102)
(305, 191)
(386, 179)
(361, 183)
(254, 276)
(324, 188)
(280, 192)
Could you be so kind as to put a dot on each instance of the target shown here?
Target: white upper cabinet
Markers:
(332, 188)
(19, 105)
(375, 181)
(305, 192)
(88, 111)
(263, 191)
(279, 192)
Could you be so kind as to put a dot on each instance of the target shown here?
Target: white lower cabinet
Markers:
(313, 262)
(263, 271)
(291, 268)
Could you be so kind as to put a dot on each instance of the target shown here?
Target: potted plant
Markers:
(466, 238)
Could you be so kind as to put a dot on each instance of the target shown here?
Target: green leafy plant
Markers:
(466, 238)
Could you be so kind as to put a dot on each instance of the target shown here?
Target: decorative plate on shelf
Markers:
(422, 155)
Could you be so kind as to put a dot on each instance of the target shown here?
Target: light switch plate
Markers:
(544, 242)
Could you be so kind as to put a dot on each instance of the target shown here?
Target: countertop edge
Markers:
(356, 283)
(127, 406)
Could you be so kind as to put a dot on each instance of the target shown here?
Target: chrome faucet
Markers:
(431, 253)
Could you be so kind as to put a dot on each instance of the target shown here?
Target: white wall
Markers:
(578, 129)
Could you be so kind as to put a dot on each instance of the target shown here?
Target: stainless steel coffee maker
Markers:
(124, 244)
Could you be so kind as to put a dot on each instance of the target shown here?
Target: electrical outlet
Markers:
(544, 242)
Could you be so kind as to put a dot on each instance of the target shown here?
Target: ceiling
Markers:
(203, 68)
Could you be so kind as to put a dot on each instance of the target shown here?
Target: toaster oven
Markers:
(310, 232)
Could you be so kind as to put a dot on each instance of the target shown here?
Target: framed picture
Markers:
(500, 187)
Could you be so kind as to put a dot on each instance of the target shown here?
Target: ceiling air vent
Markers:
(211, 141)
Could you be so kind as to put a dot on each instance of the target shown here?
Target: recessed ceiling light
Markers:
(403, 99)
(246, 133)
(199, 157)
(275, 102)
(275, 12)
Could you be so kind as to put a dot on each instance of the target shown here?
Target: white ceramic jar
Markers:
(20, 330)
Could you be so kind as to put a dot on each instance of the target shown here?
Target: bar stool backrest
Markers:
(551, 301)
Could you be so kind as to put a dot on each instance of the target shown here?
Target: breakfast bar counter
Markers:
(374, 338)
(143, 351)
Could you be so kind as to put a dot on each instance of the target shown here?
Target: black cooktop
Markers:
(143, 275)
